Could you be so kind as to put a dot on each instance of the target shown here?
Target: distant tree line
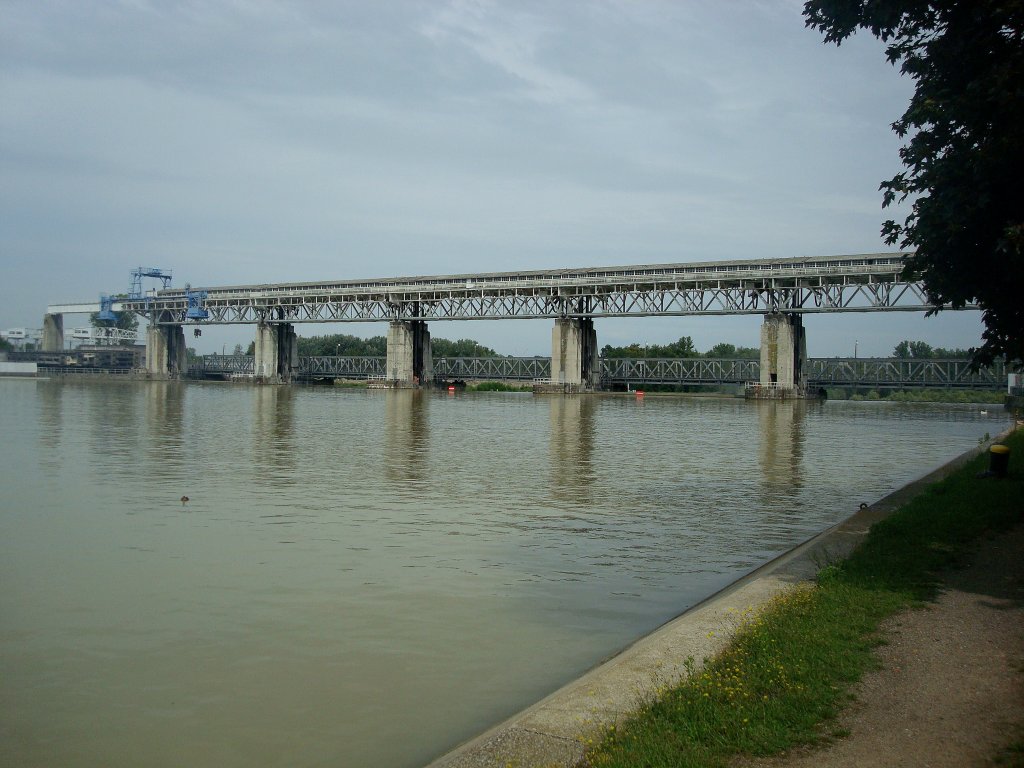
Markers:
(920, 350)
(684, 347)
(345, 345)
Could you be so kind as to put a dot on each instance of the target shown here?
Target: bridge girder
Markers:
(866, 283)
(708, 300)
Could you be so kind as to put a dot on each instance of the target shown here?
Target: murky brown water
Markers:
(367, 578)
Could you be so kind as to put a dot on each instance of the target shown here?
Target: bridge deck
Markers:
(857, 283)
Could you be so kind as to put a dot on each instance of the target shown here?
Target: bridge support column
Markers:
(53, 333)
(276, 353)
(574, 360)
(784, 353)
(409, 363)
(166, 354)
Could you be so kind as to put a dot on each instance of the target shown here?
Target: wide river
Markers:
(366, 578)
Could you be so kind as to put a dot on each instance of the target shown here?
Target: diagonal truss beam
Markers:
(862, 283)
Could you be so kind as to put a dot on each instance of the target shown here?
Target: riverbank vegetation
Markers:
(790, 668)
(683, 348)
(980, 396)
(498, 386)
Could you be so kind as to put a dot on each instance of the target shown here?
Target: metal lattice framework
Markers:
(342, 367)
(861, 283)
(493, 368)
(851, 372)
(678, 371)
(887, 372)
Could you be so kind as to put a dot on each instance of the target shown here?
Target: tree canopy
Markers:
(921, 350)
(347, 345)
(680, 349)
(126, 321)
(963, 156)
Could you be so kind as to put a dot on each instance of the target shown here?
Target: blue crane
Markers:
(135, 291)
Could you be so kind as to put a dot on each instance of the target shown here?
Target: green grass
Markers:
(351, 384)
(981, 396)
(790, 668)
(498, 386)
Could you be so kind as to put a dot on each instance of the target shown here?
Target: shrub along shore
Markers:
(790, 668)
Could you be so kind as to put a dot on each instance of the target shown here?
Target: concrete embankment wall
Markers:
(18, 369)
(554, 731)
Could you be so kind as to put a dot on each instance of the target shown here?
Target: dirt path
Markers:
(950, 688)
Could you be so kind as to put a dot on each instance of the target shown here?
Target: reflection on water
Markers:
(273, 433)
(369, 577)
(781, 443)
(164, 418)
(50, 421)
(572, 447)
(406, 434)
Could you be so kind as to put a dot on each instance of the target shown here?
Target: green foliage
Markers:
(460, 348)
(345, 345)
(126, 321)
(920, 350)
(789, 668)
(498, 386)
(5, 345)
(725, 351)
(986, 396)
(963, 158)
(956, 353)
(680, 349)
(912, 349)
(947, 396)
(342, 344)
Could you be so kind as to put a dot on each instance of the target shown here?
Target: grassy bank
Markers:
(498, 386)
(790, 668)
(985, 396)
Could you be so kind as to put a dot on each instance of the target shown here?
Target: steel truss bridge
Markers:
(860, 283)
(822, 372)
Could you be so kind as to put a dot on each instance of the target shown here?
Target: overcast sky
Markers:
(245, 142)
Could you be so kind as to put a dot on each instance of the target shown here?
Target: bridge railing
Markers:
(342, 367)
(492, 368)
(221, 364)
(893, 372)
(695, 370)
(821, 372)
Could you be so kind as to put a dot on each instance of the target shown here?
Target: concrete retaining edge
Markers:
(554, 732)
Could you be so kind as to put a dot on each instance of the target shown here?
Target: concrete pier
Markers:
(166, 354)
(53, 333)
(574, 354)
(276, 353)
(409, 362)
(783, 355)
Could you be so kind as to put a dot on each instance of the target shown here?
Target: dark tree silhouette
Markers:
(963, 157)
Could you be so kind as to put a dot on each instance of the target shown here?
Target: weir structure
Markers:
(784, 291)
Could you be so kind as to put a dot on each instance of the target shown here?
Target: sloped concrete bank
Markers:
(554, 731)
